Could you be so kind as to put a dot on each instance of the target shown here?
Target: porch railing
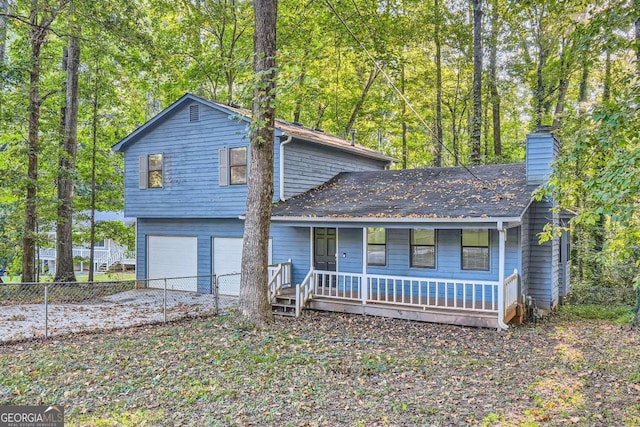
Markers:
(304, 292)
(510, 290)
(419, 292)
(279, 277)
(471, 295)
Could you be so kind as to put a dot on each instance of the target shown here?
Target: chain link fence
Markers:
(37, 310)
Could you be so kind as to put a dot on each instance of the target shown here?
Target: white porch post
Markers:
(364, 285)
(502, 238)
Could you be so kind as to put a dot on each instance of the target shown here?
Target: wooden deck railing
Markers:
(279, 277)
(304, 292)
(510, 290)
(419, 292)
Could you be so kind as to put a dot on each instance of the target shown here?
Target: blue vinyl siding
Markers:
(292, 243)
(448, 253)
(542, 149)
(191, 168)
(308, 165)
(350, 244)
(542, 274)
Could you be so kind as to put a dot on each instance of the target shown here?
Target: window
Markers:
(238, 165)
(376, 246)
(475, 250)
(155, 171)
(423, 248)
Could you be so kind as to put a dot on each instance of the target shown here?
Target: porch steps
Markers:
(285, 303)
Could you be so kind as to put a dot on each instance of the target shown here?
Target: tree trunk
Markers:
(583, 88)
(437, 161)
(476, 121)
(94, 152)
(363, 95)
(606, 89)
(37, 36)
(254, 301)
(64, 240)
(563, 86)
(540, 86)
(493, 84)
(638, 48)
(4, 10)
(403, 119)
(299, 98)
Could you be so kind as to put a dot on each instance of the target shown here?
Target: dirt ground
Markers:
(121, 310)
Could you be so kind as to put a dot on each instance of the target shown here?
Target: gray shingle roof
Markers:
(451, 192)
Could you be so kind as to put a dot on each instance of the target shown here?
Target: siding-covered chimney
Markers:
(542, 149)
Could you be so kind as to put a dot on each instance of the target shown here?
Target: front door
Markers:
(324, 243)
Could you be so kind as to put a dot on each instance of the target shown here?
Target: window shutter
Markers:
(144, 172)
(224, 167)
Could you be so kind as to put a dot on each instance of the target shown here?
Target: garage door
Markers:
(227, 261)
(175, 258)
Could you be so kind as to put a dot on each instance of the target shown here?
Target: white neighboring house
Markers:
(107, 253)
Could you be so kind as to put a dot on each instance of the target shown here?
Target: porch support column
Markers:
(502, 238)
(364, 286)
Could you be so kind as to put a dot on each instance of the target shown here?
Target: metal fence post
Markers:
(164, 310)
(46, 311)
(216, 289)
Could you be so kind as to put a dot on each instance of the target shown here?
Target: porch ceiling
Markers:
(452, 194)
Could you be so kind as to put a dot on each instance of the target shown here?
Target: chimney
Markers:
(542, 149)
(352, 132)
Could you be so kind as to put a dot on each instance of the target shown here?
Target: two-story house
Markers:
(454, 245)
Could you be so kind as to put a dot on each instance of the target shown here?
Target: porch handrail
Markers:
(510, 290)
(304, 292)
(279, 277)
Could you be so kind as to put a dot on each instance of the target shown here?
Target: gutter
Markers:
(498, 220)
(281, 166)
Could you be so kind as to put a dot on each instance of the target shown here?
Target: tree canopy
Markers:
(400, 73)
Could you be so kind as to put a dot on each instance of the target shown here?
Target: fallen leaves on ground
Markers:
(332, 369)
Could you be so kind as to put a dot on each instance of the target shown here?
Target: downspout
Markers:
(502, 234)
(281, 166)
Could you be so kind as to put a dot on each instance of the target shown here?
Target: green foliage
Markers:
(620, 315)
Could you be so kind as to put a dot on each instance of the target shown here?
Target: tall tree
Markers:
(41, 16)
(476, 120)
(4, 11)
(437, 158)
(66, 171)
(254, 292)
(493, 81)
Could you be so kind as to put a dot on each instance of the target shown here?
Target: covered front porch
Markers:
(348, 273)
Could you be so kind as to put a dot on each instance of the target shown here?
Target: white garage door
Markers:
(175, 258)
(227, 261)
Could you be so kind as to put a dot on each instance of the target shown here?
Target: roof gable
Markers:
(499, 191)
(282, 128)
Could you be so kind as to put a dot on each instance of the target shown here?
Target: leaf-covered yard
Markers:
(331, 369)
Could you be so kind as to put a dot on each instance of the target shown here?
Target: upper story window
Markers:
(376, 246)
(151, 171)
(238, 165)
(423, 248)
(233, 166)
(475, 250)
(155, 171)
